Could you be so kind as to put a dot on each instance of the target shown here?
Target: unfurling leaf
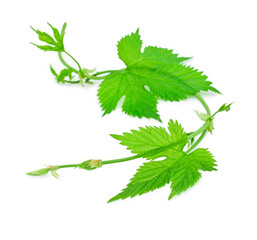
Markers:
(63, 32)
(225, 107)
(202, 116)
(205, 117)
(91, 164)
(211, 126)
(55, 45)
(39, 172)
(64, 73)
(44, 37)
(56, 33)
(53, 71)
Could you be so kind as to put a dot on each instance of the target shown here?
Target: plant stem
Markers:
(80, 69)
(103, 72)
(72, 81)
(197, 142)
(205, 105)
(121, 159)
(94, 77)
(68, 166)
(202, 130)
(65, 63)
(75, 70)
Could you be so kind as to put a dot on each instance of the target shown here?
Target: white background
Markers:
(43, 122)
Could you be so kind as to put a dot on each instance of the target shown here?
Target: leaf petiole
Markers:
(80, 71)
(197, 141)
(205, 105)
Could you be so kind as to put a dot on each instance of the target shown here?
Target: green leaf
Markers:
(56, 33)
(184, 175)
(204, 159)
(202, 116)
(156, 73)
(185, 172)
(205, 117)
(64, 73)
(53, 71)
(153, 56)
(56, 45)
(129, 48)
(138, 101)
(211, 126)
(154, 142)
(63, 32)
(44, 37)
(179, 169)
(46, 47)
(39, 172)
(150, 176)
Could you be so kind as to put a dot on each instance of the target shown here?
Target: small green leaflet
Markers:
(155, 73)
(179, 169)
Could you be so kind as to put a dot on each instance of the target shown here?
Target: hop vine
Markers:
(149, 74)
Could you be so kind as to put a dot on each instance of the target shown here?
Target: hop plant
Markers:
(149, 75)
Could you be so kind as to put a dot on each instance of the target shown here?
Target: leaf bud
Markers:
(95, 163)
(39, 172)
